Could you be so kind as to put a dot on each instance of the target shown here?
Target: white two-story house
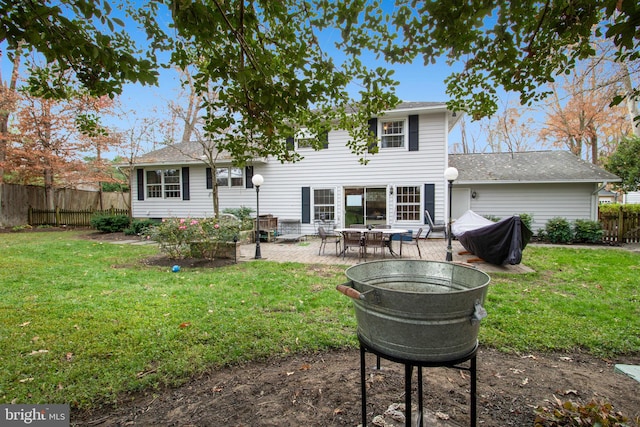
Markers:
(396, 186)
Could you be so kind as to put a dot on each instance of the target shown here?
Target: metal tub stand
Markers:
(408, 369)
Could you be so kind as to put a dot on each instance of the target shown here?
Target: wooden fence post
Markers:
(620, 225)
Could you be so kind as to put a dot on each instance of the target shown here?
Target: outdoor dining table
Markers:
(386, 231)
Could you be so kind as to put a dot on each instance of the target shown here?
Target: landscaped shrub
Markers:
(243, 213)
(139, 227)
(613, 208)
(578, 414)
(557, 230)
(527, 219)
(492, 218)
(586, 231)
(186, 237)
(110, 223)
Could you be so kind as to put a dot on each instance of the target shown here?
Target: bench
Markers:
(289, 230)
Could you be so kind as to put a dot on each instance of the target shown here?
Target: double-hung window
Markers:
(393, 134)
(163, 183)
(324, 204)
(408, 203)
(229, 177)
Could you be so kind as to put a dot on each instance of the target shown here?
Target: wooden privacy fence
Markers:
(621, 226)
(76, 218)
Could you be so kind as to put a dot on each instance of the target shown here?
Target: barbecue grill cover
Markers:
(499, 243)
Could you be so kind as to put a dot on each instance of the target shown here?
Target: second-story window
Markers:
(393, 134)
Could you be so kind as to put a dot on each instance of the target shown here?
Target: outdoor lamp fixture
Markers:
(450, 174)
(257, 182)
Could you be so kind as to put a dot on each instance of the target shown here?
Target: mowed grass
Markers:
(587, 299)
(83, 322)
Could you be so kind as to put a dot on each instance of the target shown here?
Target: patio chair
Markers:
(327, 237)
(438, 228)
(351, 239)
(408, 239)
(375, 240)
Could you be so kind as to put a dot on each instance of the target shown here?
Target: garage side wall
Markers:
(543, 201)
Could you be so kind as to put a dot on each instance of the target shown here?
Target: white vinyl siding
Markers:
(333, 168)
(632, 197)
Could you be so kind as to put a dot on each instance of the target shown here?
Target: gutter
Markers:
(604, 186)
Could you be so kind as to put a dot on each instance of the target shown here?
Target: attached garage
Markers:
(544, 184)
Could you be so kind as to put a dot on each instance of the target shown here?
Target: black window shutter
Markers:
(430, 200)
(290, 144)
(209, 179)
(373, 130)
(413, 133)
(306, 205)
(248, 172)
(140, 175)
(185, 184)
(325, 139)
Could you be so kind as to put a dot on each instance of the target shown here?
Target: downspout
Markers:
(595, 202)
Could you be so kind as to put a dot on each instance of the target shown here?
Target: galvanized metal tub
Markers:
(424, 311)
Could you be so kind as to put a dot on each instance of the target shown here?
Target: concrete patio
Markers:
(306, 251)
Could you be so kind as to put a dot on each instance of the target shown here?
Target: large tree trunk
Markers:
(49, 193)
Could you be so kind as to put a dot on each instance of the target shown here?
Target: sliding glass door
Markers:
(365, 205)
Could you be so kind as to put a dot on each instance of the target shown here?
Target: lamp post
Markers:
(257, 182)
(450, 174)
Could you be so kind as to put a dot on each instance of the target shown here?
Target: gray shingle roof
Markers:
(183, 153)
(530, 166)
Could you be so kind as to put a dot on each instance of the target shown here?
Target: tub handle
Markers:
(349, 291)
(479, 312)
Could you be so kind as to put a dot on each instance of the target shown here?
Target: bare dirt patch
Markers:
(323, 389)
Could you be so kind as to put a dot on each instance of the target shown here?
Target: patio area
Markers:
(306, 251)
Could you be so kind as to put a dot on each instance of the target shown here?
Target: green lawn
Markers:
(82, 321)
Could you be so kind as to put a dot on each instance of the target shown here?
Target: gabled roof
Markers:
(530, 166)
(409, 107)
